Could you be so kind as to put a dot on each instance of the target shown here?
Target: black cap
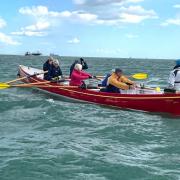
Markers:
(81, 59)
(118, 70)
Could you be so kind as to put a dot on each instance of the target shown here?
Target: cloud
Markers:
(2, 23)
(43, 12)
(176, 6)
(131, 36)
(113, 16)
(104, 2)
(41, 25)
(7, 39)
(29, 33)
(74, 41)
(33, 30)
(175, 21)
(34, 11)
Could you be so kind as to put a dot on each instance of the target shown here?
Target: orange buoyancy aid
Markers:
(119, 82)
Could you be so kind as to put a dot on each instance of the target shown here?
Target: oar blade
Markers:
(4, 85)
(140, 76)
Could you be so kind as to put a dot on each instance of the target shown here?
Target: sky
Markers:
(98, 28)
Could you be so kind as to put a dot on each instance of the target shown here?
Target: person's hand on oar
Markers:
(95, 77)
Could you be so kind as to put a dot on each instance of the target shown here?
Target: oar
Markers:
(5, 85)
(138, 76)
(157, 89)
(19, 79)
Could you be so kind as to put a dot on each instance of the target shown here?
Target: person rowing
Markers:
(47, 66)
(82, 62)
(117, 82)
(56, 73)
(78, 76)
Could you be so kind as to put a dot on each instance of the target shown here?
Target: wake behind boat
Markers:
(139, 99)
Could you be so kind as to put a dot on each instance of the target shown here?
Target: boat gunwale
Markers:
(104, 94)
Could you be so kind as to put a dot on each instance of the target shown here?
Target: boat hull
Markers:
(166, 103)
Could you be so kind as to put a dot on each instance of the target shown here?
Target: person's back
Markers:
(78, 76)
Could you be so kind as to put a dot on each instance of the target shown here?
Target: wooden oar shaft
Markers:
(42, 86)
(19, 79)
(30, 84)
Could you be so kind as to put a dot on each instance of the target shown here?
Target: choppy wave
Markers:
(42, 137)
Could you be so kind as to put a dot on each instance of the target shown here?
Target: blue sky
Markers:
(101, 28)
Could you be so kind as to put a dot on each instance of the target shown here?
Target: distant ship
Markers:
(33, 54)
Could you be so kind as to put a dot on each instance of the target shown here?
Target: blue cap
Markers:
(178, 62)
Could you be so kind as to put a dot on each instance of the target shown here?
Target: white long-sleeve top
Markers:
(174, 79)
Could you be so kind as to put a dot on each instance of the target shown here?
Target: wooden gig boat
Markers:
(144, 100)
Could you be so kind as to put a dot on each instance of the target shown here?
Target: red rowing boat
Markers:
(144, 100)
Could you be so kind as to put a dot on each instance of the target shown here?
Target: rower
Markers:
(47, 66)
(78, 76)
(56, 73)
(80, 61)
(174, 77)
(117, 81)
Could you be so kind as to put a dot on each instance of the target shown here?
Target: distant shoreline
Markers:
(88, 57)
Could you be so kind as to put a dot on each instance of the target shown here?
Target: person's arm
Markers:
(49, 75)
(80, 76)
(60, 72)
(121, 85)
(45, 68)
(85, 74)
(84, 65)
(127, 81)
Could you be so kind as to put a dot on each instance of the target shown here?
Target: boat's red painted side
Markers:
(167, 103)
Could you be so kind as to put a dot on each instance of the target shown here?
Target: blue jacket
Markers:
(104, 81)
(55, 72)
